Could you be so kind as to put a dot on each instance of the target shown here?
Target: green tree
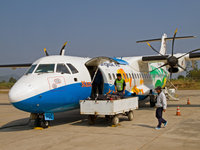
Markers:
(12, 80)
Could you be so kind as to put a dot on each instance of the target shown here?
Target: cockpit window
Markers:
(72, 68)
(45, 68)
(61, 68)
(31, 69)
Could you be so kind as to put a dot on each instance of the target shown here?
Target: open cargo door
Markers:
(96, 61)
(93, 68)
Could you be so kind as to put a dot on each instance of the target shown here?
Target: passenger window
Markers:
(109, 76)
(72, 68)
(61, 68)
(138, 75)
(113, 76)
(135, 76)
(45, 68)
(129, 75)
(124, 76)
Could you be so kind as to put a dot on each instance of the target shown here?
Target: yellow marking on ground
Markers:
(38, 128)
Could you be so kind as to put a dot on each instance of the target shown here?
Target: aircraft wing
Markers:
(192, 56)
(163, 58)
(156, 58)
(16, 65)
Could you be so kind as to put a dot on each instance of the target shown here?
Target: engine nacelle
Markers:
(173, 70)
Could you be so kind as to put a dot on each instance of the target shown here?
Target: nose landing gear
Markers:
(39, 121)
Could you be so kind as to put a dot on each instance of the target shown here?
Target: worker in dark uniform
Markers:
(161, 106)
(120, 85)
(97, 84)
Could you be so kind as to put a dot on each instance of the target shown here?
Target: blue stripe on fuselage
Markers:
(61, 99)
(56, 100)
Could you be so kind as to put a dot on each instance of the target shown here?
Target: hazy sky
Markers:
(92, 27)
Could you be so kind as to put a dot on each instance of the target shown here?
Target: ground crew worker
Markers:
(161, 106)
(120, 85)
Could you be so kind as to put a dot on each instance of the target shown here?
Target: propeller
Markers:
(154, 48)
(62, 51)
(172, 61)
(63, 48)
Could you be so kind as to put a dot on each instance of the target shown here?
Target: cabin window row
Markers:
(130, 75)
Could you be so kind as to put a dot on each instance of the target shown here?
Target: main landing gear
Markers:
(152, 99)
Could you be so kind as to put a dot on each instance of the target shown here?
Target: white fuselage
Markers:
(51, 85)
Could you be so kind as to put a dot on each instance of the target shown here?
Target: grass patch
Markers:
(187, 84)
(6, 85)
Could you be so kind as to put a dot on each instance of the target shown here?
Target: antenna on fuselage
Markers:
(62, 51)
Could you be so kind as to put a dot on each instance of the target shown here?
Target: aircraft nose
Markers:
(20, 92)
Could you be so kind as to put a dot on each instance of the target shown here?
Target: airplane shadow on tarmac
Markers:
(67, 117)
(73, 117)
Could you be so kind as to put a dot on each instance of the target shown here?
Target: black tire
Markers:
(91, 119)
(115, 120)
(130, 115)
(45, 124)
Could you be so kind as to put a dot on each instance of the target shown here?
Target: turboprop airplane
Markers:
(57, 83)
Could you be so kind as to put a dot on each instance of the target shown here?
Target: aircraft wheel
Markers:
(45, 124)
(115, 120)
(130, 115)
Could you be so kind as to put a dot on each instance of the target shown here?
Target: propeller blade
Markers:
(173, 41)
(159, 67)
(188, 53)
(153, 48)
(45, 51)
(181, 67)
(63, 48)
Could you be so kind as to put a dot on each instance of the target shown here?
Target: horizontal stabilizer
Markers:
(170, 38)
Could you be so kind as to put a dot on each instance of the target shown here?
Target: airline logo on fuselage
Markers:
(109, 64)
(86, 84)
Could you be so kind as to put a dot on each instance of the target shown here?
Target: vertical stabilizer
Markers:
(163, 46)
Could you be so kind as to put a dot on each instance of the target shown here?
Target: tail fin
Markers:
(163, 46)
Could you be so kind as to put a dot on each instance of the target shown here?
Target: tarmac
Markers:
(70, 130)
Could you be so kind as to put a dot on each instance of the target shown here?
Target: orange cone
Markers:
(178, 112)
(188, 101)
